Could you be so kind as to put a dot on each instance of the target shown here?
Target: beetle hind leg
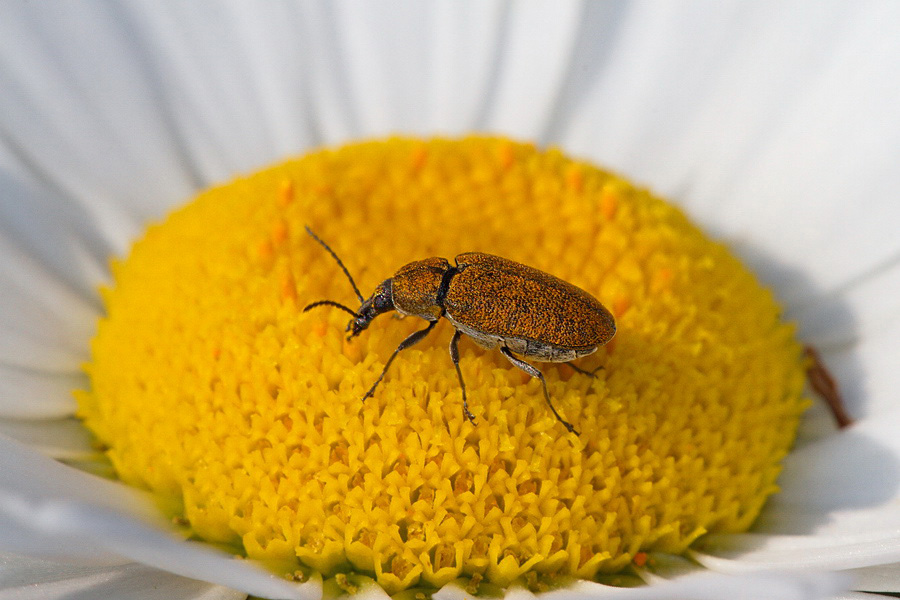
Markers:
(454, 356)
(534, 372)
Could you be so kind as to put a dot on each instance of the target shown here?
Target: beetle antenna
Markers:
(343, 268)
(329, 303)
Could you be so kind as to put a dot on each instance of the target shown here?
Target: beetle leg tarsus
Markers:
(413, 339)
(591, 373)
(454, 356)
(534, 372)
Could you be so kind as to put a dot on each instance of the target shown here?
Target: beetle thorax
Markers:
(417, 287)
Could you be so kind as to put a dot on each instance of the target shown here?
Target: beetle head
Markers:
(381, 301)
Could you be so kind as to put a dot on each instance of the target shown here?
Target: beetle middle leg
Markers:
(454, 356)
(533, 371)
(413, 339)
(578, 369)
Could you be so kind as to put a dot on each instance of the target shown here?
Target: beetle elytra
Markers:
(497, 302)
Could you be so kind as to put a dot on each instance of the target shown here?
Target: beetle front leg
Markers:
(454, 356)
(413, 339)
(531, 370)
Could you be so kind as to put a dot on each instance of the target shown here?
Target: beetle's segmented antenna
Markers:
(343, 268)
(330, 303)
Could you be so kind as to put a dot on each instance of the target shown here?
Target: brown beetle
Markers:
(493, 300)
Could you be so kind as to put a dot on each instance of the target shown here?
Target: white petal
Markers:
(45, 325)
(739, 553)
(715, 586)
(29, 394)
(533, 59)
(857, 331)
(150, 546)
(518, 593)
(387, 55)
(51, 235)
(883, 578)
(699, 585)
(857, 468)
(857, 596)
(371, 591)
(217, 100)
(467, 45)
(838, 508)
(91, 107)
(62, 439)
(776, 127)
(30, 477)
(48, 508)
(26, 578)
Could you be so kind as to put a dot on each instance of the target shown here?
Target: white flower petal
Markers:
(49, 509)
(61, 525)
(518, 593)
(857, 596)
(750, 552)
(30, 394)
(449, 67)
(150, 546)
(882, 578)
(45, 323)
(32, 478)
(774, 126)
(215, 99)
(857, 332)
(662, 567)
(534, 58)
(697, 585)
(62, 439)
(858, 468)
(27, 578)
(467, 40)
(371, 591)
(715, 586)
(47, 233)
(271, 42)
(387, 55)
(838, 508)
(86, 111)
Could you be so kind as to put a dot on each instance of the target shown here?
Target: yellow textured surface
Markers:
(210, 387)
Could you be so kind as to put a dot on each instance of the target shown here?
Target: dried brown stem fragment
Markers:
(824, 384)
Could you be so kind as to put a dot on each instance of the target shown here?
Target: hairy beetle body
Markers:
(497, 302)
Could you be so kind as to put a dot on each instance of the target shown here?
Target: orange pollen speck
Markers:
(286, 192)
(608, 204)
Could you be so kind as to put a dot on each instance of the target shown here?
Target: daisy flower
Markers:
(775, 128)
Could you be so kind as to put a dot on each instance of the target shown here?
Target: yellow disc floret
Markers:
(211, 387)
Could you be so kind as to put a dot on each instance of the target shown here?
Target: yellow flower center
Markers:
(212, 388)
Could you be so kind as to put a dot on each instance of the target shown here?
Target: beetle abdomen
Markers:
(493, 298)
(540, 351)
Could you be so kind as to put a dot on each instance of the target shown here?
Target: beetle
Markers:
(495, 301)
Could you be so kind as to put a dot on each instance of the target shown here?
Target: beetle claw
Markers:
(591, 373)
